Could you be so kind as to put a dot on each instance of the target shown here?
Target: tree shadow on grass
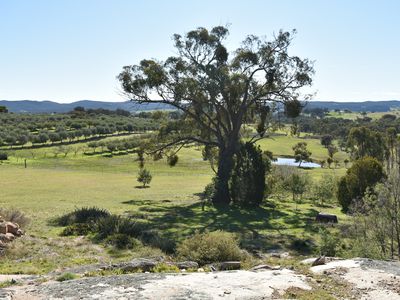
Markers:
(261, 228)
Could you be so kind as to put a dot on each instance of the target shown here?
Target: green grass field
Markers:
(50, 187)
(355, 115)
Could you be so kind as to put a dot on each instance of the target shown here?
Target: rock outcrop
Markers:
(9, 231)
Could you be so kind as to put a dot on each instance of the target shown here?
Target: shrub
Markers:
(164, 268)
(247, 184)
(209, 191)
(329, 242)
(123, 241)
(15, 216)
(114, 224)
(77, 229)
(362, 175)
(3, 156)
(154, 239)
(82, 215)
(209, 247)
(144, 177)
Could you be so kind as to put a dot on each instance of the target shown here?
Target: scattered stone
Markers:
(200, 270)
(9, 236)
(265, 267)
(8, 232)
(309, 261)
(279, 254)
(319, 261)
(229, 265)
(13, 228)
(134, 265)
(6, 294)
(187, 265)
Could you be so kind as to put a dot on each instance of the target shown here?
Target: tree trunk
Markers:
(225, 166)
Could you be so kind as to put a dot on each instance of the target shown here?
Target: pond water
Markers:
(291, 162)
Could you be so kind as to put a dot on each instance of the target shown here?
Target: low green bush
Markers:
(123, 241)
(77, 229)
(154, 239)
(114, 224)
(3, 156)
(210, 247)
(164, 268)
(329, 244)
(82, 215)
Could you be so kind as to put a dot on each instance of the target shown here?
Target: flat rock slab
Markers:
(218, 285)
(371, 279)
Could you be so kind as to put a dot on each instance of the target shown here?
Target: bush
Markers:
(209, 247)
(153, 238)
(329, 242)
(164, 268)
(77, 229)
(114, 224)
(209, 191)
(15, 216)
(3, 156)
(144, 177)
(82, 215)
(247, 185)
(123, 241)
(362, 175)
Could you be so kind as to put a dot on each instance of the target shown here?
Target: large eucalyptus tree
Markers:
(217, 90)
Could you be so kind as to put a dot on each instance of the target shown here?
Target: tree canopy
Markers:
(363, 174)
(218, 90)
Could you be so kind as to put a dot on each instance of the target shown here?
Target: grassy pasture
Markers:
(355, 115)
(52, 186)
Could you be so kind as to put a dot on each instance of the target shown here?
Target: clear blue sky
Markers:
(67, 50)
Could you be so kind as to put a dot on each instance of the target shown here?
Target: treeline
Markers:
(340, 128)
(21, 129)
(120, 145)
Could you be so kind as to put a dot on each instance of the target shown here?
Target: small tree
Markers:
(362, 175)
(332, 150)
(111, 147)
(326, 140)
(325, 189)
(301, 153)
(248, 177)
(144, 176)
(297, 183)
(329, 160)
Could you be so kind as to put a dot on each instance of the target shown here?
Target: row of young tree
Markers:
(20, 129)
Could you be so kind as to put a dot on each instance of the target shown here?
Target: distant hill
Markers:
(31, 106)
(368, 106)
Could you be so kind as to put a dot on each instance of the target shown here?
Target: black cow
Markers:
(326, 218)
